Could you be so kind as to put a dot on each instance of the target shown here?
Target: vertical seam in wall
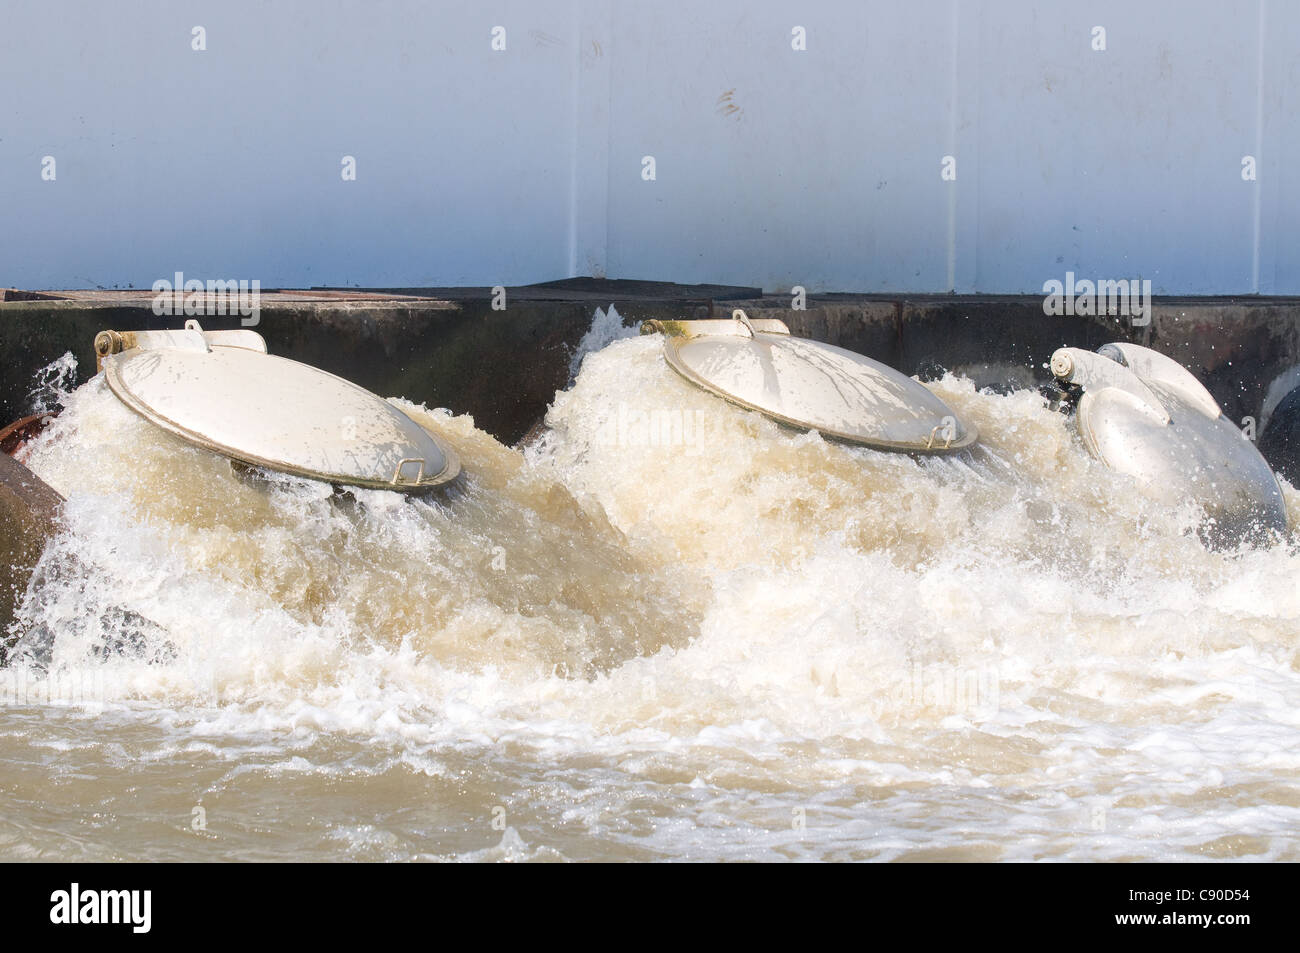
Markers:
(975, 90)
(952, 149)
(575, 136)
(1257, 214)
(609, 143)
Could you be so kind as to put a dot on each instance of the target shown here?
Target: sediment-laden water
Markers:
(670, 630)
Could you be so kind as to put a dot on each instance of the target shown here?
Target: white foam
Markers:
(670, 643)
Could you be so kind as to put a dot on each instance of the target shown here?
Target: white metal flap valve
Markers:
(1142, 413)
(220, 390)
(759, 365)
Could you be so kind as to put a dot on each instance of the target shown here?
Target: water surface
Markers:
(671, 630)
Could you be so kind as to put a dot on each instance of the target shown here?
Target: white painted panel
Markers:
(778, 167)
(774, 166)
(1123, 163)
(227, 162)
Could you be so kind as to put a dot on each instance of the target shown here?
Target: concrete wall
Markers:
(773, 166)
(504, 367)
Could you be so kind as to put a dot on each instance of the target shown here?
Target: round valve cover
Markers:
(816, 386)
(280, 414)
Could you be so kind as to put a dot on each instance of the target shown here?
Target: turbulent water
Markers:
(670, 630)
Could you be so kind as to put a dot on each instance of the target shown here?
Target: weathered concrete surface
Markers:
(594, 291)
(448, 347)
(29, 509)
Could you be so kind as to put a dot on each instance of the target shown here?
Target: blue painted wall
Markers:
(774, 166)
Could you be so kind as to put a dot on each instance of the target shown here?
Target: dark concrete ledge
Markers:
(448, 346)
